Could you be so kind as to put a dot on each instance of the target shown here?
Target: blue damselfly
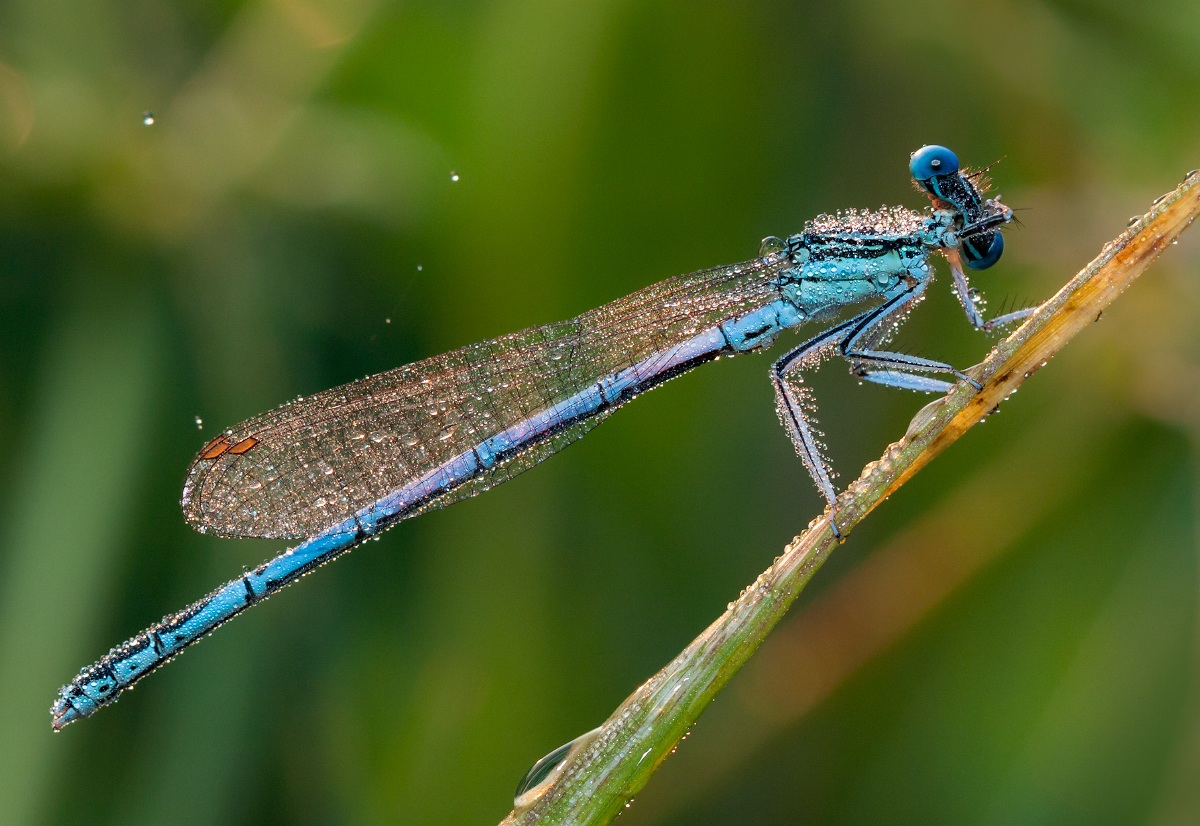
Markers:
(338, 468)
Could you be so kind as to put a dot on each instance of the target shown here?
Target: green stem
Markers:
(603, 772)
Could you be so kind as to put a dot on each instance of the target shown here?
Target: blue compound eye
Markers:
(977, 258)
(932, 160)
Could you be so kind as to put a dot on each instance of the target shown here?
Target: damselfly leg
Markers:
(962, 291)
(857, 340)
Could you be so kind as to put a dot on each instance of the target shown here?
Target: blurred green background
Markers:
(1012, 638)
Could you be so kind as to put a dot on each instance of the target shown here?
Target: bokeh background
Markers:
(1012, 638)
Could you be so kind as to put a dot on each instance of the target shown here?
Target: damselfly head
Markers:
(937, 173)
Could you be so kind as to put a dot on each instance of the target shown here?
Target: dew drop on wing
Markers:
(770, 246)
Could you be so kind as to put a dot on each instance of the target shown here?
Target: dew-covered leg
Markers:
(860, 347)
(857, 340)
(906, 381)
(962, 290)
(790, 402)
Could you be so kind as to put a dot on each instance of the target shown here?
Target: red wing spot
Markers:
(244, 445)
(215, 448)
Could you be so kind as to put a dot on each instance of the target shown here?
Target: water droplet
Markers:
(1190, 174)
(1134, 220)
(199, 423)
(376, 437)
(147, 118)
(410, 439)
(771, 245)
(453, 175)
(320, 503)
(542, 769)
(1160, 199)
(447, 432)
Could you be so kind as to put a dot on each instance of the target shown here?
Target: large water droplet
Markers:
(544, 767)
(771, 245)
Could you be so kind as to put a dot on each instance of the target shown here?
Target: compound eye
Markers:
(974, 250)
(932, 160)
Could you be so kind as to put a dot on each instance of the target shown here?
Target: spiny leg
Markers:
(860, 347)
(790, 407)
(906, 381)
(856, 339)
(962, 289)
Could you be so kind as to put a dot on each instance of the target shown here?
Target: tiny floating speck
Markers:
(199, 423)
(147, 118)
(453, 175)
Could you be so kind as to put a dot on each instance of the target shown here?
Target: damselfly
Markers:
(337, 468)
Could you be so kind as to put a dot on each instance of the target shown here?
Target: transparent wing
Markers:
(304, 466)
